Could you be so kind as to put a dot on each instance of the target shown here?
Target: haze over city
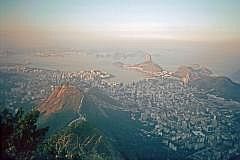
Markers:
(201, 30)
(130, 21)
(120, 79)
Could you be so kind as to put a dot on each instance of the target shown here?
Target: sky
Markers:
(31, 22)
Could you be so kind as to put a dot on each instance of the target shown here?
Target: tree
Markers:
(19, 134)
(79, 141)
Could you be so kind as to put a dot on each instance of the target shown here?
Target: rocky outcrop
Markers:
(64, 96)
(191, 73)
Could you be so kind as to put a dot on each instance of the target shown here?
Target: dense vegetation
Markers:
(22, 139)
(20, 135)
(79, 141)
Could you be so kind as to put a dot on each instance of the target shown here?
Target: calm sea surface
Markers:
(221, 61)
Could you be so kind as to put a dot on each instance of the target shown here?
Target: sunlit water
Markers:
(74, 63)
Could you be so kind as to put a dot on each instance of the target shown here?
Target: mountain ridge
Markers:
(62, 96)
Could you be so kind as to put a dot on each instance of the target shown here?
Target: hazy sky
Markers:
(92, 21)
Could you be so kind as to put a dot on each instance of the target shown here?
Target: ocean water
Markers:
(221, 59)
(73, 62)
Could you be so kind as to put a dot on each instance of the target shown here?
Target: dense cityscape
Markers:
(189, 120)
(120, 80)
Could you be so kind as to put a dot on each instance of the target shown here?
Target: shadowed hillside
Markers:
(125, 134)
(61, 107)
(219, 86)
(80, 141)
